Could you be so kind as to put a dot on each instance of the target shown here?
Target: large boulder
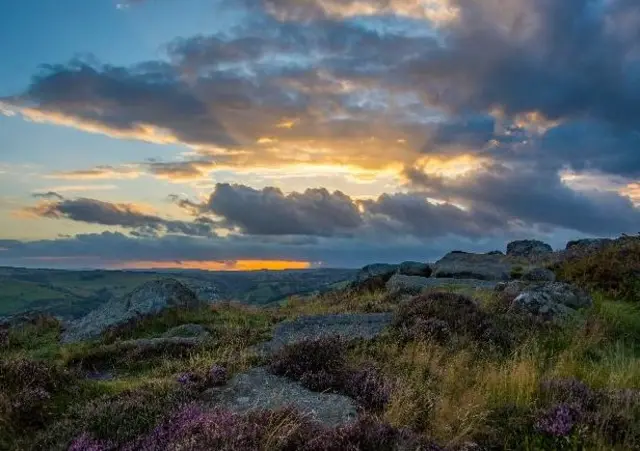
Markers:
(415, 269)
(552, 300)
(383, 270)
(147, 299)
(528, 248)
(463, 265)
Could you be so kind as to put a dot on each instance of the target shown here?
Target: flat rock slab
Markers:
(348, 326)
(413, 284)
(258, 389)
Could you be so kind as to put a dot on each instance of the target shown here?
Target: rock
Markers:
(414, 285)
(539, 275)
(187, 330)
(512, 288)
(462, 265)
(258, 389)
(348, 326)
(415, 269)
(375, 270)
(406, 284)
(528, 248)
(553, 299)
(588, 245)
(150, 298)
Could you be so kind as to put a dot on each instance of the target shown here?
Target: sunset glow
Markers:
(239, 265)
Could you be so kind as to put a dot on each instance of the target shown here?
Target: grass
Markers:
(451, 391)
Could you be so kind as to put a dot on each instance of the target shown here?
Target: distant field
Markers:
(74, 293)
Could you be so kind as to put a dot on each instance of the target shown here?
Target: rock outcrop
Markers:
(463, 265)
(414, 285)
(147, 299)
(552, 300)
(376, 270)
(348, 326)
(258, 389)
(588, 245)
(528, 248)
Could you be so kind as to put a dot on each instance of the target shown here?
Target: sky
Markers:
(253, 134)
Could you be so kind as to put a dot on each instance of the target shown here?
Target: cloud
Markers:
(107, 248)
(103, 172)
(533, 196)
(49, 195)
(320, 213)
(128, 216)
(486, 104)
(270, 212)
(435, 11)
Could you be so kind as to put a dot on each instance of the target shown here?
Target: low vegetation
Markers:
(455, 371)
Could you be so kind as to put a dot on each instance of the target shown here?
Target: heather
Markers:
(455, 368)
(613, 269)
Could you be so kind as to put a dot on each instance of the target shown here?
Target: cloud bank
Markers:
(479, 109)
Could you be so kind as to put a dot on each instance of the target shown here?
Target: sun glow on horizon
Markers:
(213, 265)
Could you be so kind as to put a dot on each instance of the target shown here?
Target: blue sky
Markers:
(203, 132)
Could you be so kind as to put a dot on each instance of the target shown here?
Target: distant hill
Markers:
(75, 293)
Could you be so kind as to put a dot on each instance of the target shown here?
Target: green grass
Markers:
(452, 392)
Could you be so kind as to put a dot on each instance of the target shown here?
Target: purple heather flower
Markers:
(85, 442)
(186, 378)
(558, 421)
(218, 375)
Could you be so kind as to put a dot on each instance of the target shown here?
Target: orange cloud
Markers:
(236, 265)
(143, 132)
(98, 173)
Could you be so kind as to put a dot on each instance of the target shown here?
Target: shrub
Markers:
(368, 387)
(613, 269)
(570, 391)
(320, 365)
(216, 376)
(435, 314)
(516, 272)
(191, 427)
(572, 406)
(368, 434)
(86, 442)
(27, 388)
(559, 420)
(310, 356)
(123, 417)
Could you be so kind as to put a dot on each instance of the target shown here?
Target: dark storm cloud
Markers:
(270, 212)
(129, 216)
(122, 99)
(533, 196)
(319, 213)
